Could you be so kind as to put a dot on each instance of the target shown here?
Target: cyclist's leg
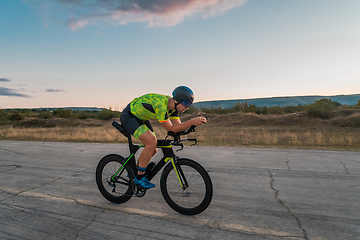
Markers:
(143, 131)
(150, 142)
(147, 123)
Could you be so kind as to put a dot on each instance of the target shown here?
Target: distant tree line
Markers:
(323, 108)
(20, 114)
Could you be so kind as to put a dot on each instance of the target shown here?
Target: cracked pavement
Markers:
(48, 191)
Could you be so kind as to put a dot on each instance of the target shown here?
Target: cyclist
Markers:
(135, 119)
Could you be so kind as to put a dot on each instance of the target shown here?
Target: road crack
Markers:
(204, 224)
(44, 184)
(345, 167)
(287, 208)
(87, 225)
(288, 165)
(19, 153)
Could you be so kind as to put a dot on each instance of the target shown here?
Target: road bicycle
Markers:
(185, 184)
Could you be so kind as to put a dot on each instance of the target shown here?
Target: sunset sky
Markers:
(104, 53)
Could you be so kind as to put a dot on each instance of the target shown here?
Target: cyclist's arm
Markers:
(169, 126)
(175, 121)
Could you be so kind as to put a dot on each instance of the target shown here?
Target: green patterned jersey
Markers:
(152, 106)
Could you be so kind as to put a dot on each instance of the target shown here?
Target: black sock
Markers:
(140, 176)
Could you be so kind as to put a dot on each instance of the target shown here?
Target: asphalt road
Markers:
(48, 191)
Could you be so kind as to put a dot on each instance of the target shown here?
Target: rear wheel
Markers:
(196, 193)
(113, 184)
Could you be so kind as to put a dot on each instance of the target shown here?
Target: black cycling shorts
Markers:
(132, 124)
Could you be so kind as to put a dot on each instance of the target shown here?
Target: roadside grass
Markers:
(235, 130)
(289, 131)
(61, 134)
(275, 136)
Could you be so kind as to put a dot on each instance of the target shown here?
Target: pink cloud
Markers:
(153, 12)
(75, 24)
(169, 13)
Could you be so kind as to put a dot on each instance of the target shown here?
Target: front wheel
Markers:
(195, 194)
(113, 179)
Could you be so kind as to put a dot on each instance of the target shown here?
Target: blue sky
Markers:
(104, 53)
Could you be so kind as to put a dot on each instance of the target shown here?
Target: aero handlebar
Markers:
(176, 135)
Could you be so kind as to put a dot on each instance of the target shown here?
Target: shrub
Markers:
(323, 108)
(2, 114)
(107, 114)
(45, 115)
(62, 113)
(276, 110)
(294, 109)
(15, 116)
(84, 115)
(262, 110)
(218, 110)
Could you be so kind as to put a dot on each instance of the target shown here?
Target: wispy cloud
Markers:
(77, 14)
(9, 91)
(12, 93)
(75, 24)
(55, 90)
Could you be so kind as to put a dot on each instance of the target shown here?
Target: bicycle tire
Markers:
(196, 197)
(118, 191)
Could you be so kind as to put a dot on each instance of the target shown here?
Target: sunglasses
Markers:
(185, 103)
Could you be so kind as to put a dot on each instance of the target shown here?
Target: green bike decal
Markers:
(122, 167)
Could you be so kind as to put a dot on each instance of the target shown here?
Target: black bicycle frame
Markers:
(166, 148)
(168, 152)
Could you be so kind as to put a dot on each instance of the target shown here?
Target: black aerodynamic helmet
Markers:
(183, 95)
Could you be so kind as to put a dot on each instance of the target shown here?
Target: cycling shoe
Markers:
(144, 182)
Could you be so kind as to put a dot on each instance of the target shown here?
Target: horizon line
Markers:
(315, 95)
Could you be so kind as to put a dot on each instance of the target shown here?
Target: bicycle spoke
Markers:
(193, 195)
(115, 188)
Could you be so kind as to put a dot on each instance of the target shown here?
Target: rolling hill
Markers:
(278, 101)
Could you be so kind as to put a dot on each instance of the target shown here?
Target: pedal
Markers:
(138, 190)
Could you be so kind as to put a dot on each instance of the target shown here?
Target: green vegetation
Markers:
(323, 109)
(8, 115)
(322, 124)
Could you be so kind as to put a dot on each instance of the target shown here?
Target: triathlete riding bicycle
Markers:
(135, 119)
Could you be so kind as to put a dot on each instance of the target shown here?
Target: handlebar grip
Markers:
(177, 135)
(192, 128)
